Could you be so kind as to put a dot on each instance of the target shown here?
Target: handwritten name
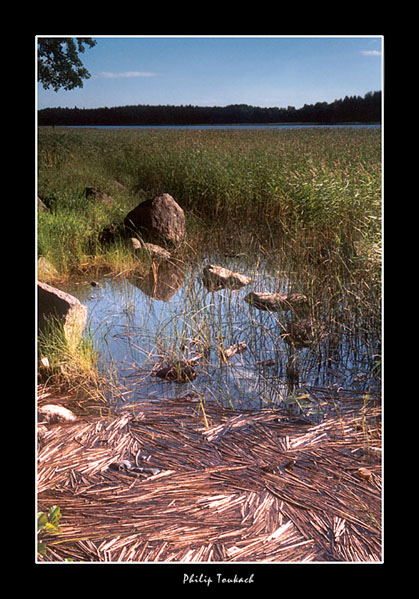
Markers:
(220, 579)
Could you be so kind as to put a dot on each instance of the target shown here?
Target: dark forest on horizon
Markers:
(349, 109)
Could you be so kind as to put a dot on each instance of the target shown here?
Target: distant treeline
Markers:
(350, 109)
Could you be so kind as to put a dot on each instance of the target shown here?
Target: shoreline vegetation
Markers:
(302, 188)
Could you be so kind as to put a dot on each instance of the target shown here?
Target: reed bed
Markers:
(212, 485)
(317, 187)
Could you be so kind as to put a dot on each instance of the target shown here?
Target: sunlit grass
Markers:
(313, 192)
(69, 364)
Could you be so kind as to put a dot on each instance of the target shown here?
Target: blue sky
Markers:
(217, 71)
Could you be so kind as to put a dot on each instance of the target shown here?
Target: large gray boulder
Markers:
(160, 221)
(66, 309)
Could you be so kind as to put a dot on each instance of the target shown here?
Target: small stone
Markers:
(275, 302)
(46, 270)
(156, 252)
(98, 195)
(229, 352)
(45, 363)
(52, 414)
(217, 277)
(42, 206)
(364, 473)
(179, 372)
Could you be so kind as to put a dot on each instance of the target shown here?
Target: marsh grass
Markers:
(72, 367)
(320, 188)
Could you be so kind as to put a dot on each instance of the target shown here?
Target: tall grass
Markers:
(70, 365)
(312, 186)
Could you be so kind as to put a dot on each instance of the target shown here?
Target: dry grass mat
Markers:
(159, 482)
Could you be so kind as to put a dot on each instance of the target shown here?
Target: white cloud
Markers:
(124, 75)
(371, 52)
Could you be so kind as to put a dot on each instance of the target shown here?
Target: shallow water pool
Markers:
(141, 325)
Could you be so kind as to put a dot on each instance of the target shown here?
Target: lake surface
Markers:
(139, 324)
(243, 126)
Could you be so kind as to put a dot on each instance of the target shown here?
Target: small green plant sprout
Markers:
(48, 522)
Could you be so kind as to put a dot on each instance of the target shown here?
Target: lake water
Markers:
(139, 324)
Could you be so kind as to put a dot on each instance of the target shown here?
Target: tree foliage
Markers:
(59, 64)
(350, 109)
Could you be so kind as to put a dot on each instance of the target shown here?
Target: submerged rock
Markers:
(160, 220)
(304, 332)
(177, 372)
(275, 302)
(216, 278)
(229, 352)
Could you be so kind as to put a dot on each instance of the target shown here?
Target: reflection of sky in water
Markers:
(132, 331)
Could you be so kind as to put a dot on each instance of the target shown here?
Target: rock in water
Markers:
(275, 302)
(216, 278)
(229, 352)
(155, 252)
(160, 221)
(305, 332)
(177, 372)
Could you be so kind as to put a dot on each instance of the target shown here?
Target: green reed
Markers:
(318, 187)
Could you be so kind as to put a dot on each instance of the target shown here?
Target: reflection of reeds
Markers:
(198, 322)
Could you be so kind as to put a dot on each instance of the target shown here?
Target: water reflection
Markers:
(169, 315)
(162, 280)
